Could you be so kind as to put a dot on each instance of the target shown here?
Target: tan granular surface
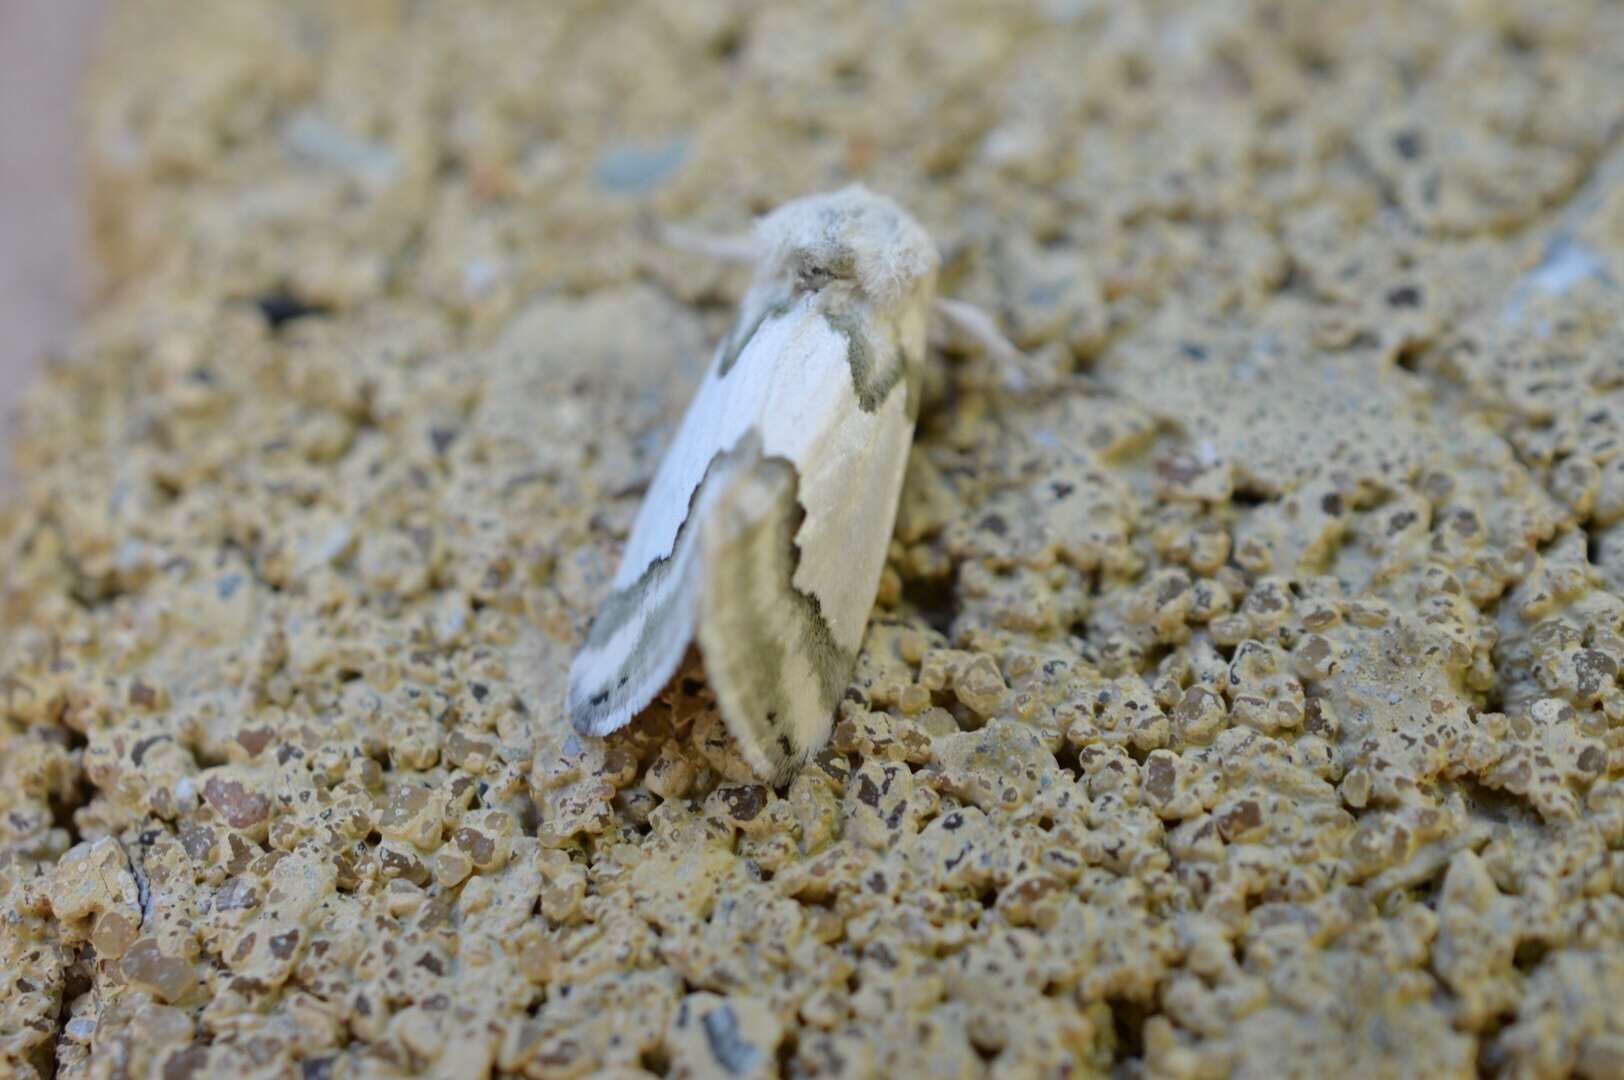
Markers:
(1252, 708)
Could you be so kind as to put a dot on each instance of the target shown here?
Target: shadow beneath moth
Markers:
(764, 533)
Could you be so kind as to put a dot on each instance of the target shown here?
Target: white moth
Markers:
(765, 530)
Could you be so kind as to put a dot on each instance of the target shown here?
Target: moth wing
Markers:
(764, 532)
(641, 633)
(770, 658)
(792, 550)
(644, 626)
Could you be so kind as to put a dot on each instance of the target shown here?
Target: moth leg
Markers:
(975, 325)
(1019, 372)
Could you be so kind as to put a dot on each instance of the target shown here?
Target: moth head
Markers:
(852, 237)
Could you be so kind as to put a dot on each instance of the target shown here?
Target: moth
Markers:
(764, 533)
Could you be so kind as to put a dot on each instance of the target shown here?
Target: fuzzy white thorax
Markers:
(850, 234)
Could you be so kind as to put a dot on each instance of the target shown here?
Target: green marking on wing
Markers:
(871, 381)
(755, 618)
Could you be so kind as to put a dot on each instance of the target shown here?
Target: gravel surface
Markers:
(1249, 707)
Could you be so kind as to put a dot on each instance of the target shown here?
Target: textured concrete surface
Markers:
(42, 48)
(1250, 708)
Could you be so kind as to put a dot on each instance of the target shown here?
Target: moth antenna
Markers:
(734, 248)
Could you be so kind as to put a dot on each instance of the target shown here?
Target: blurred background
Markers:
(43, 47)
